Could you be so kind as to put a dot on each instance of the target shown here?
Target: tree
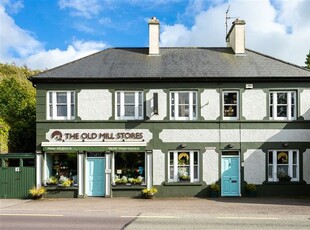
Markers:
(307, 62)
(17, 107)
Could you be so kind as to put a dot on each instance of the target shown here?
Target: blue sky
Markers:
(46, 33)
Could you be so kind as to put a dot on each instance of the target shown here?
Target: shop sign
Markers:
(95, 135)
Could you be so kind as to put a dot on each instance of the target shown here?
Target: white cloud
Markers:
(83, 8)
(56, 57)
(12, 6)
(282, 31)
(19, 46)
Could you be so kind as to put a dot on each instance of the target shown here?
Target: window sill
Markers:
(182, 183)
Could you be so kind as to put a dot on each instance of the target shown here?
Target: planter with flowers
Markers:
(149, 193)
(37, 192)
(214, 190)
(251, 190)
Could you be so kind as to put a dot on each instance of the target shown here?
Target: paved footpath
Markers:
(241, 205)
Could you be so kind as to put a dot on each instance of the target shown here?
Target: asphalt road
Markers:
(185, 213)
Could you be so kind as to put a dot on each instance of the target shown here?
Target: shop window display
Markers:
(62, 169)
(129, 169)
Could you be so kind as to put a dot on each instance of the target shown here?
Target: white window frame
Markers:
(122, 106)
(70, 114)
(176, 165)
(274, 166)
(191, 105)
(237, 105)
(289, 105)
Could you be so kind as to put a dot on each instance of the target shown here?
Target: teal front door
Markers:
(95, 176)
(230, 185)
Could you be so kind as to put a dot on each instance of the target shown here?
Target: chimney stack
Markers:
(236, 37)
(153, 36)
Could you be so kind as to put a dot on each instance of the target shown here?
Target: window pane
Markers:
(293, 98)
(195, 158)
(282, 171)
(50, 97)
(72, 110)
(230, 98)
(51, 111)
(294, 171)
(270, 167)
(195, 172)
(171, 172)
(183, 172)
(270, 158)
(295, 157)
(118, 98)
(281, 111)
(293, 111)
(271, 98)
(183, 158)
(282, 98)
(129, 110)
(230, 111)
(184, 98)
(282, 157)
(118, 111)
(129, 98)
(271, 111)
(171, 158)
(140, 110)
(72, 97)
(183, 111)
(61, 110)
(62, 98)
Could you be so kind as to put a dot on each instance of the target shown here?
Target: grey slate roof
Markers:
(172, 63)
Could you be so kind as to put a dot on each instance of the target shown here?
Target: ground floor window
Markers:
(283, 165)
(129, 168)
(183, 166)
(61, 168)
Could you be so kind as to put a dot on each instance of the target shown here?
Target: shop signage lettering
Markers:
(59, 136)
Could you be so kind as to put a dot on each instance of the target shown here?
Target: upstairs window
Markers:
(282, 105)
(129, 105)
(230, 105)
(61, 105)
(183, 105)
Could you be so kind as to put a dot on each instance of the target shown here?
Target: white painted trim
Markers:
(80, 174)
(38, 170)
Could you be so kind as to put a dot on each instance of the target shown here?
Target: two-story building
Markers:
(178, 119)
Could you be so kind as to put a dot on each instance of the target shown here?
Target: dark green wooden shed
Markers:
(17, 175)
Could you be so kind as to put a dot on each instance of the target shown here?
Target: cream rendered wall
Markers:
(210, 104)
(254, 104)
(210, 173)
(306, 168)
(94, 104)
(158, 167)
(305, 104)
(254, 166)
(162, 105)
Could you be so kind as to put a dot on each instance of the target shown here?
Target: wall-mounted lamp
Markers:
(231, 146)
(285, 144)
(183, 145)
